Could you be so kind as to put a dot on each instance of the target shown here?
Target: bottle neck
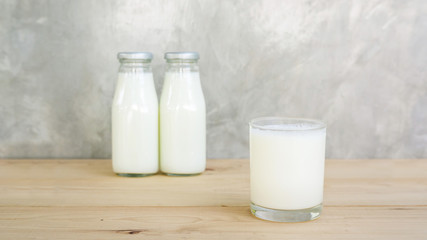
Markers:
(127, 65)
(189, 61)
(182, 64)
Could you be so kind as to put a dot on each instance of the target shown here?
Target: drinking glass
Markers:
(287, 159)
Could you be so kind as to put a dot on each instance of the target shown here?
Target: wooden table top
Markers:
(83, 199)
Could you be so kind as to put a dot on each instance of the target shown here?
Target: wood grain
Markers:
(83, 199)
(226, 182)
(207, 223)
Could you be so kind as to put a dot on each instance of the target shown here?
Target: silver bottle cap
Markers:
(135, 55)
(182, 55)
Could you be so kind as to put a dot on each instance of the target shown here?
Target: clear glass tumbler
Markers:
(287, 159)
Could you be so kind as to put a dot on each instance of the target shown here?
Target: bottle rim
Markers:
(182, 55)
(135, 56)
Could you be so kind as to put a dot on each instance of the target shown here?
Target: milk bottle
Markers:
(182, 117)
(135, 117)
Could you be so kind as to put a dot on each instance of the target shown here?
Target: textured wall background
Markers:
(361, 66)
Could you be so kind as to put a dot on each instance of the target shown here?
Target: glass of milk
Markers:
(287, 158)
(182, 117)
(135, 117)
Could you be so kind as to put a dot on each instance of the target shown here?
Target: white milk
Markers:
(287, 168)
(135, 124)
(182, 124)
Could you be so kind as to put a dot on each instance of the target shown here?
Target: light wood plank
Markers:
(92, 183)
(207, 223)
(225, 183)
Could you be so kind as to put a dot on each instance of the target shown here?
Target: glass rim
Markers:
(254, 123)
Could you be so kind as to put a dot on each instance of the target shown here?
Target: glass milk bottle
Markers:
(182, 117)
(135, 117)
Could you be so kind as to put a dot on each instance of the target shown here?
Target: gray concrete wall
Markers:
(360, 66)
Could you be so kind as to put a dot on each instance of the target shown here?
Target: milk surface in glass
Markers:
(287, 166)
(135, 121)
(182, 120)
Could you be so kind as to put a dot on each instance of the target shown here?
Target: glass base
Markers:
(135, 174)
(181, 174)
(277, 215)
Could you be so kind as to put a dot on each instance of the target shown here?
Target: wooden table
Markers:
(83, 199)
